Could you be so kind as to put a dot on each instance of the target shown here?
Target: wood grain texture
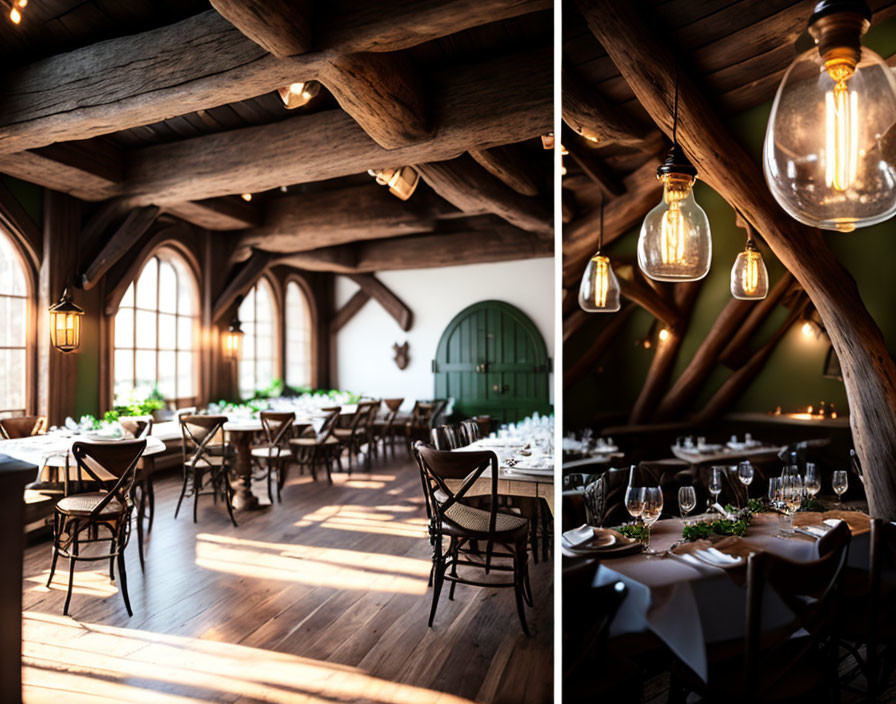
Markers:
(281, 27)
(135, 225)
(869, 372)
(218, 213)
(590, 163)
(320, 598)
(469, 187)
(203, 62)
(500, 101)
(349, 310)
(383, 295)
(510, 165)
(384, 93)
(643, 192)
(244, 278)
(632, 287)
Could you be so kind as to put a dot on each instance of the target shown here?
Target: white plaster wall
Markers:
(364, 355)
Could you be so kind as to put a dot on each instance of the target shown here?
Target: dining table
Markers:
(518, 474)
(690, 607)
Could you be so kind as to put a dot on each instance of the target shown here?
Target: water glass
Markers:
(745, 473)
(634, 501)
(841, 484)
(651, 508)
(812, 482)
(687, 501)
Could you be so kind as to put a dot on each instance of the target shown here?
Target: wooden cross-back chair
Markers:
(384, 429)
(79, 518)
(22, 427)
(205, 454)
(868, 616)
(418, 426)
(274, 453)
(358, 432)
(792, 661)
(446, 437)
(323, 446)
(141, 427)
(469, 431)
(438, 410)
(505, 535)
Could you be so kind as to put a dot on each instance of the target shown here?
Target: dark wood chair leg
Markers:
(438, 579)
(270, 488)
(111, 560)
(151, 495)
(123, 582)
(197, 486)
(183, 492)
(228, 494)
(452, 550)
(518, 570)
(71, 568)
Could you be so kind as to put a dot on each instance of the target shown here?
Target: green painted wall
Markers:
(792, 377)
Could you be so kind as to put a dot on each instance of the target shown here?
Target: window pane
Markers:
(124, 374)
(167, 288)
(12, 276)
(124, 327)
(167, 374)
(12, 367)
(128, 298)
(146, 372)
(185, 383)
(185, 333)
(146, 285)
(167, 331)
(146, 329)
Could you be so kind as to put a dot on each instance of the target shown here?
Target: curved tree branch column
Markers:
(869, 372)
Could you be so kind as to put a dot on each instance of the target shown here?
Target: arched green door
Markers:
(492, 360)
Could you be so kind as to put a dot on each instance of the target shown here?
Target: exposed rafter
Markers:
(135, 225)
(391, 303)
(281, 27)
(242, 281)
(509, 164)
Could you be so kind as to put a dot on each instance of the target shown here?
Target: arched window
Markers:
(13, 330)
(155, 333)
(259, 361)
(298, 337)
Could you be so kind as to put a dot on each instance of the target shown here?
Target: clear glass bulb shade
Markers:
(599, 290)
(830, 145)
(749, 277)
(675, 242)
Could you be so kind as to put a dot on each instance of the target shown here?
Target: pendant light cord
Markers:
(675, 109)
(600, 232)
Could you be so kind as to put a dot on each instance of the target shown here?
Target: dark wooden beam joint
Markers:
(391, 303)
(282, 27)
(126, 236)
(247, 275)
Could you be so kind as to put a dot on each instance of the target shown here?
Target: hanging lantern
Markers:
(599, 290)
(675, 242)
(749, 277)
(232, 340)
(830, 146)
(401, 182)
(65, 324)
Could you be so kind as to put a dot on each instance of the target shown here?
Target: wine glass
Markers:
(687, 501)
(812, 481)
(634, 501)
(841, 484)
(715, 483)
(651, 508)
(774, 491)
(792, 496)
(745, 473)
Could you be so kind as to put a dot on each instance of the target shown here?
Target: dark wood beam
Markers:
(203, 62)
(94, 230)
(590, 163)
(509, 164)
(242, 281)
(642, 193)
(632, 288)
(226, 213)
(384, 93)
(89, 170)
(574, 322)
(501, 101)
(281, 27)
(351, 308)
(575, 370)
(592, 116)
(391, 303)
(135, 225)
(469, 187)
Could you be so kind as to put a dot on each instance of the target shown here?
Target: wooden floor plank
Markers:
(322, 598)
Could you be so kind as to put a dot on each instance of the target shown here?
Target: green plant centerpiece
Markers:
(736, 523)
(635, 531)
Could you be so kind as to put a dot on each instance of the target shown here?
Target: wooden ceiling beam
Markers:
(391, 303)
(642, 193)
(242, 281)
(384, 93)
(281, 27)
(869, 372)
(203, 62)
(313, 220)
(574, 370)
(135, 225)
(510, 165)
(590, 162)
(469, 187)
(498, 102)
(225, 213)
(348, 311)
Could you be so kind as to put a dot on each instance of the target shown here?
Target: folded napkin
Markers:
(578, 536)
(717, 557)
(816, 531)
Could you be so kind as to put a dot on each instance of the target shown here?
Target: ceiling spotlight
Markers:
(295, 95)
(246, 197)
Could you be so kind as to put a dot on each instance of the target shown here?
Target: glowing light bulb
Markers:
(297, 94)
(675, 242)
(15, 15)
(807, 329)
(599, 291)
(22, 3)
(830, 147)
(749, 277)
(246, 197)
(664, 335)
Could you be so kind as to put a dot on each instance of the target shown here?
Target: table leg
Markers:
(244, 499)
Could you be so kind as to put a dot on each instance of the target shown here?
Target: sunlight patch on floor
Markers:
(87, 582)
(316, 566)
(381, 520)
(61, 662)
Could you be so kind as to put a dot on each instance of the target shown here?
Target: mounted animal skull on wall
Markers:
(402, 356)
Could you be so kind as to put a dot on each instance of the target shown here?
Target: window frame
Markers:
(27, 269)
(310, 305)
(184, 267)
(277, 330)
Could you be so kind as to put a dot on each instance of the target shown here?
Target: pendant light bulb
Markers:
(599, 291)
(749, 276)
(830, 146)
(675, 242)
